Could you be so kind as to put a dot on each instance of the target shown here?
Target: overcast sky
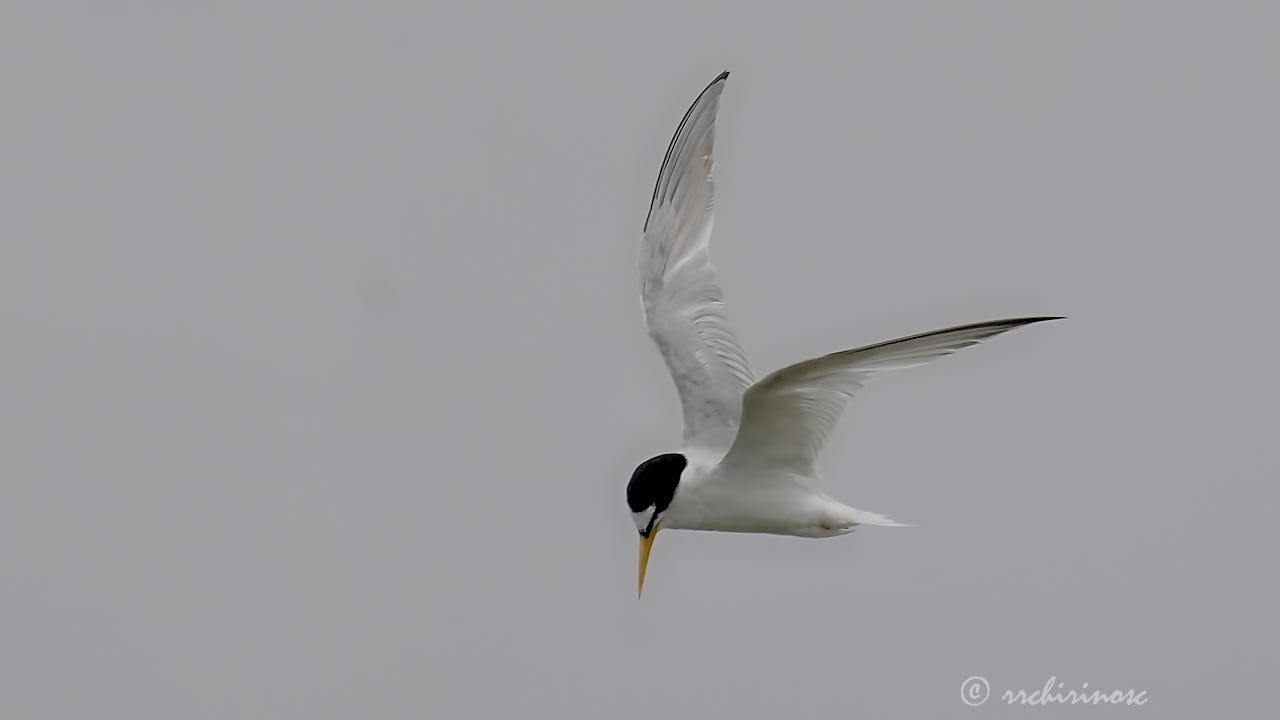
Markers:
(323, 370)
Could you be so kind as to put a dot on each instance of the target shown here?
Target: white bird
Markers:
(747, 461)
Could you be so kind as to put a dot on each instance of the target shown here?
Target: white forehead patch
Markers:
(642, 518)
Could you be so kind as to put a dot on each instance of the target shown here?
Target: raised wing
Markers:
(683, 303)
(788, 416)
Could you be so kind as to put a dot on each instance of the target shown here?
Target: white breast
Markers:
(777, 503)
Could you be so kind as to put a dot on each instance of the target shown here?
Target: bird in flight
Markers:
(748, 458)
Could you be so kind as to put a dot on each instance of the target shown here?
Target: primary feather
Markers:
(788, 416)
(683, 302)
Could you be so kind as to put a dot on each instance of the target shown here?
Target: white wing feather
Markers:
(683, 303)
(788, 416)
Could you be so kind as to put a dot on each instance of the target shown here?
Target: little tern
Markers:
(748, 458)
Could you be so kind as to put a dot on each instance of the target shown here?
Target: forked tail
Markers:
(862, 517)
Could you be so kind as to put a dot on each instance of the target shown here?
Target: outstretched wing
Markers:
(788, 416)
(683, 303)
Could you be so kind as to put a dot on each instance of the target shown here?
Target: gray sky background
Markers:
(323, 369)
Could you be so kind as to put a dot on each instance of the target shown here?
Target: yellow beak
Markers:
(646, 544)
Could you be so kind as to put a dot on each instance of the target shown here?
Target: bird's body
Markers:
(713, 496)
(748, 461)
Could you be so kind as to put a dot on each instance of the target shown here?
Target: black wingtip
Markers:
(1019, 322)
(719, 79)
(672, 145)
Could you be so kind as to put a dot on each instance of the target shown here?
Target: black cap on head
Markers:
(653, 484)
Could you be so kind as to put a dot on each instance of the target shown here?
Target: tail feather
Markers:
(862, 517)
